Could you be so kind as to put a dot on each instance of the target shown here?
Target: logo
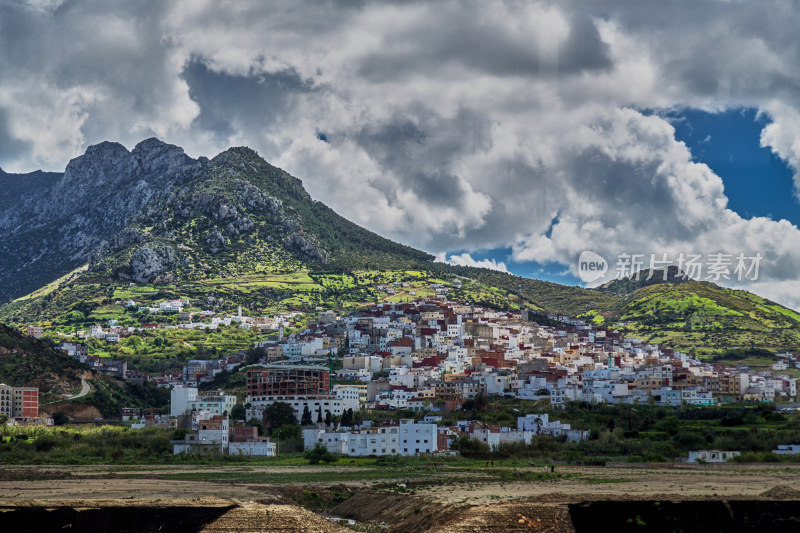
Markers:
(591, 266)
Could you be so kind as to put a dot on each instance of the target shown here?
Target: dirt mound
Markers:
(398, 512)
(782, 492)
(252, 516)
(199, 514)
(510, 517)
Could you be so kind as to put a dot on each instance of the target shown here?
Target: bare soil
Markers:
(444, 506)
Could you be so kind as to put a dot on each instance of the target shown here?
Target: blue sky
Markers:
(757, 183)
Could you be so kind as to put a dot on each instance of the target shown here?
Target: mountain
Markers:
(25, 361)
(23, 186)
(54, 229)
(229, 229)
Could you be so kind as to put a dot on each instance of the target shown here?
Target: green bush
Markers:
(319, 453)
(45, 443)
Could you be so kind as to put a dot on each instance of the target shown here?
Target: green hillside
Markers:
(703, 317)
(25, 361)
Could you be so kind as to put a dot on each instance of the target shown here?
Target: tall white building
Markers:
(179, 399)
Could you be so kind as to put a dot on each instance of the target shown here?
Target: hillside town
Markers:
(433, 354)
(429, 357)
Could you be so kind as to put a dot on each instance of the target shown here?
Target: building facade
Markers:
(19, 402)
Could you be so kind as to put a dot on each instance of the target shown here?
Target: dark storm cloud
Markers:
(231, 103)
(421, 148)
(10, 146)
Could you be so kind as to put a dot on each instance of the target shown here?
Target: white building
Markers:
(262, 448)
(407, 438)
(711, 456)
(317, 404)
(352, 396)
(213, 403)
(787, 449)
(179, 399)
(212, 435)
(417, 438)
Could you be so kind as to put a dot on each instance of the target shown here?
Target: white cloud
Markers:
(465, 259)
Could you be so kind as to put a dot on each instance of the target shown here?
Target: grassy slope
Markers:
(707, 317)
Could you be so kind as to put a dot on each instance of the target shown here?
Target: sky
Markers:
(508, 134)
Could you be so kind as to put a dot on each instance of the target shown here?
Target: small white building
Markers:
(212, 435)
(787, 449)
(261, 448)
(352, 396)
(711, 456)
(213, 402)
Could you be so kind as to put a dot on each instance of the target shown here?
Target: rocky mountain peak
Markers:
(155, 156)
(98, 166)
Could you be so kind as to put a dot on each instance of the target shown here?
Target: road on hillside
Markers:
(85, 389)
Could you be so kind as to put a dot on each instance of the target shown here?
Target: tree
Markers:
(305, 420)
(279, 414)
(257, 424)
(469, 446)
(60, 418)
(347, 418)
(328, 418)
(319, 415)
(319, 453)
(538, 422)
(238, 412)
(480, 401)
(288, 432)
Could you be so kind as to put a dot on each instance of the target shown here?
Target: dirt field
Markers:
(439, 506)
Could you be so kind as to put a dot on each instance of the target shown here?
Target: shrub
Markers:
(45, 443)
(319, 453)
